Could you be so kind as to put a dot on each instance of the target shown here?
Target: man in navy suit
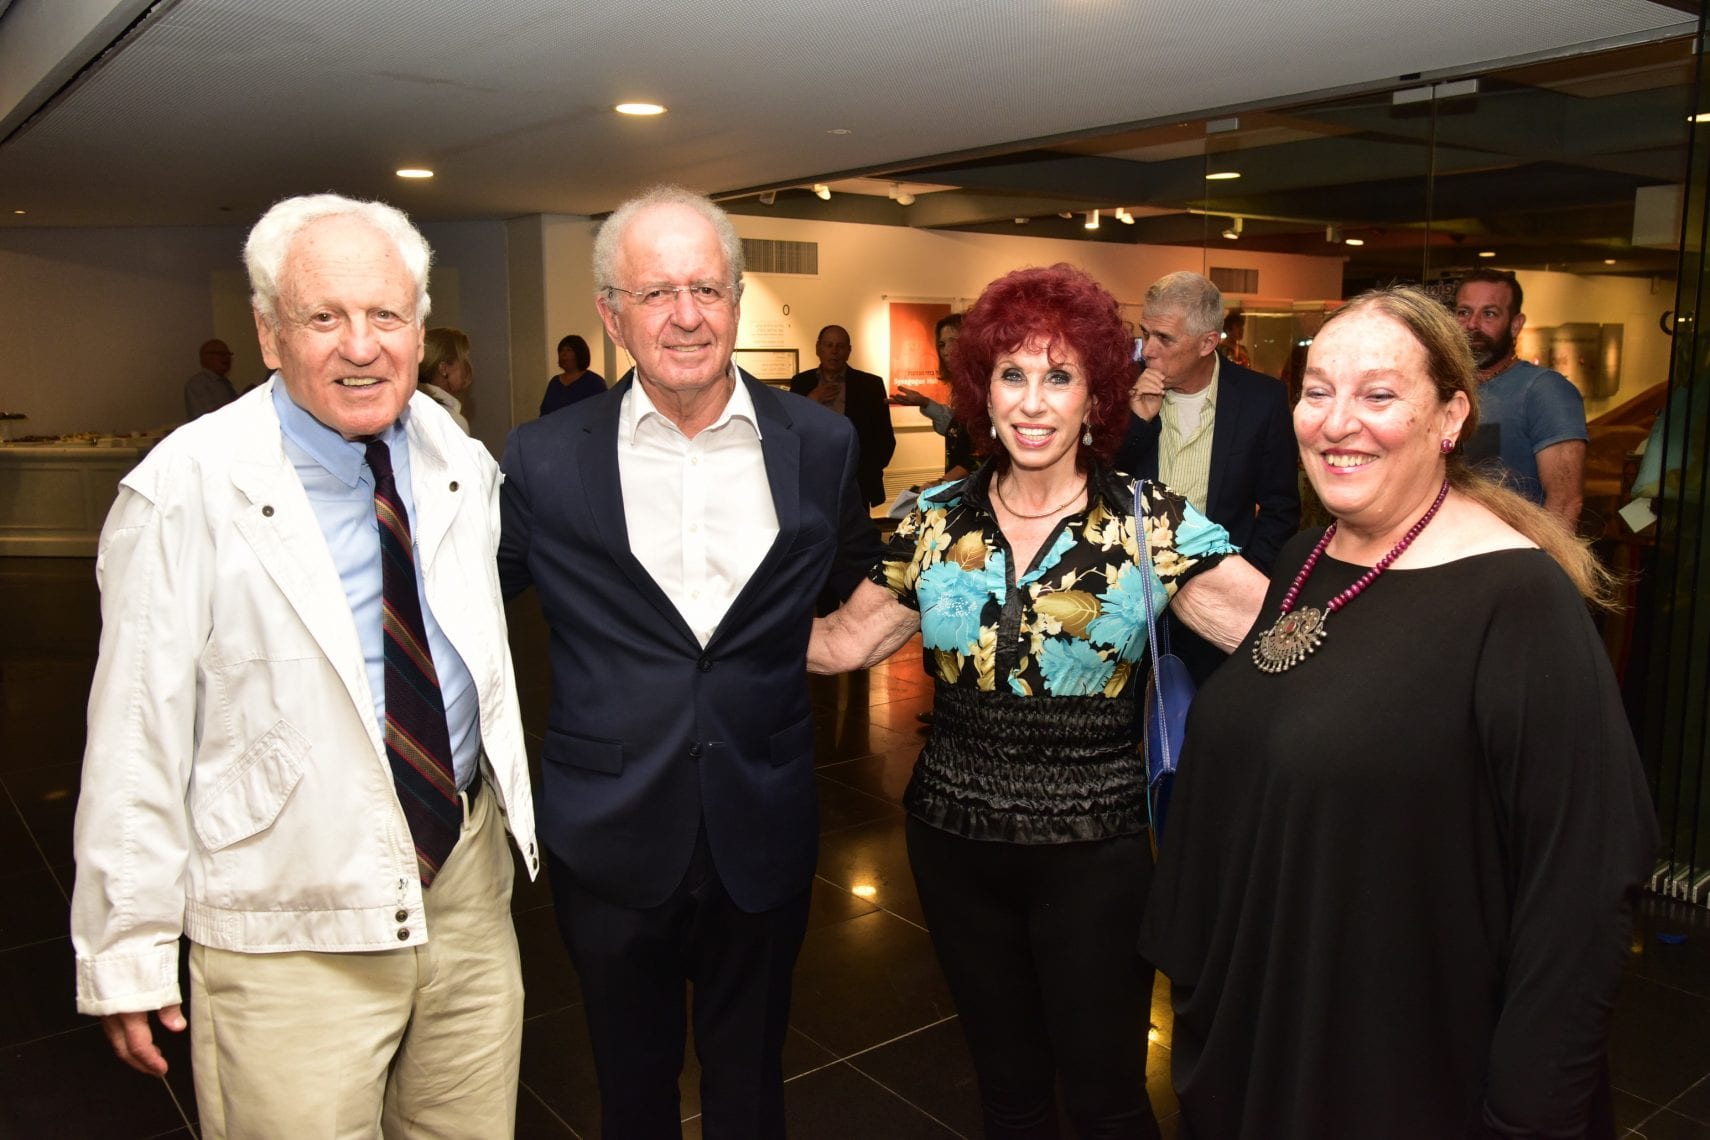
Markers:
(677, 529)
(1211, 430)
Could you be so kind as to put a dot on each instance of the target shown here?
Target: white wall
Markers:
(102, 326)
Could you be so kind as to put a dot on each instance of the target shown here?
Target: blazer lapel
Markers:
(602, 488)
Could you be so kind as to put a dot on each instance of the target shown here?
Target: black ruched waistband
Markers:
(1029, 769)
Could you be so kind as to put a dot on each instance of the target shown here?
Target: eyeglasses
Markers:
(707, 296)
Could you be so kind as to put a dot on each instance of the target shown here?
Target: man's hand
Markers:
(133, 1041)
(1147, 395)
(827, 391)
(910, 397)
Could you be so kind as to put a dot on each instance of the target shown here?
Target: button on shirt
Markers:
(335, 475)
(699, 511)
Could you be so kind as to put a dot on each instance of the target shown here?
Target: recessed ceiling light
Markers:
(1606, 261)
(639, 109)
(1353, 241)
(1223, 176)
(1701, 117)
(839, 131)
(19, 211)
(414, 172)
(1487, 253)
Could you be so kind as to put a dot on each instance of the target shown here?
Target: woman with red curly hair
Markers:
(1026, 830)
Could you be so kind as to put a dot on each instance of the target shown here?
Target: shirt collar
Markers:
(638, 407)
(343, 459)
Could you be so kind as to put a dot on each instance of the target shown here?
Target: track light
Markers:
(822, 191)
(767, 197)
(1092, 219)
(1123, 216)
(1233, 232)
(1333, 234)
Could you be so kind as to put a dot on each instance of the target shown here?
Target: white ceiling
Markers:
(211, 109)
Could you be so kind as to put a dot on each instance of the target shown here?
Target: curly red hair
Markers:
(1061, 306)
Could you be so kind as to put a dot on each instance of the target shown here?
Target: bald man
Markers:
(210, 388)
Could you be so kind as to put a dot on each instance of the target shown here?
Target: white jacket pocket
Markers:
(249, 797)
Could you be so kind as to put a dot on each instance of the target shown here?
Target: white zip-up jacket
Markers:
(235, 781)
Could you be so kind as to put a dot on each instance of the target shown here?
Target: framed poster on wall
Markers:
(914, 354)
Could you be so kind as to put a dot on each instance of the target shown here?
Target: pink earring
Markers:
(1446, 446)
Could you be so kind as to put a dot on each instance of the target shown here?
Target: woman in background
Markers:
(575, 381)
(1395, 894)
(445, 372)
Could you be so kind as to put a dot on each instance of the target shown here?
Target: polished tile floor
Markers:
(875, 1050)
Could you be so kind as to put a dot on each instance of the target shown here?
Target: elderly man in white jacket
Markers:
(298, 757)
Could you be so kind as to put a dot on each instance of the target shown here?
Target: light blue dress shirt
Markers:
(334, 472)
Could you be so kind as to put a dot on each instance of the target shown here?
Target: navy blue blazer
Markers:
(649, 734)
(1254, 492)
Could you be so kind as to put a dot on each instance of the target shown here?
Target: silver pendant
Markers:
(1288, 642)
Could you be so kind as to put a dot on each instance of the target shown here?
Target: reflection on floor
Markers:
(875, 1049)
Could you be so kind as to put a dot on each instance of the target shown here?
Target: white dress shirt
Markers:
(699, 511)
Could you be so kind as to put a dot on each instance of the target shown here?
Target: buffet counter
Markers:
(54, 494)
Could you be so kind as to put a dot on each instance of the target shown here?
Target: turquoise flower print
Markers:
(1197, 536)
(1065, 543)
(1073, 668)
(1122, 625)
(951, 600)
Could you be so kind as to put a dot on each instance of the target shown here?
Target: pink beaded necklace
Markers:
(1298, 632)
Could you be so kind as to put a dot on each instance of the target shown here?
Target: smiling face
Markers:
(1370, 422)
(1038, 401)
(683, 347)
(347, 341)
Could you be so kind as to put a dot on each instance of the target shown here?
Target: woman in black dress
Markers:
(1395, 893)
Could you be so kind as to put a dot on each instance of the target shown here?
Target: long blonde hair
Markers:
(1449, 362)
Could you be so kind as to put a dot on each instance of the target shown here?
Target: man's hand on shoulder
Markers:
(133, 1041)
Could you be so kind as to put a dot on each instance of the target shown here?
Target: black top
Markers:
(1395, 890)
(561, 395)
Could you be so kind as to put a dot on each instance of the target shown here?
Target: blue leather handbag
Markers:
(1164, 705)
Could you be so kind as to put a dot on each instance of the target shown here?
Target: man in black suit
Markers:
(858, 395)
(677, 529)
(1212, 430)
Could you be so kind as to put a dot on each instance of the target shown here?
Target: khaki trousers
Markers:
(423, 1041)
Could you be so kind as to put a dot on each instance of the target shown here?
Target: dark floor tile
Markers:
(535, 1121)
(838, 1103)
(35, 909)
(47, 799)
(526, 893)
(842, 806)
(70, 1085)
(1667, 1125)
(832, 904)
(1660, 1041)
(1694, 1102)
(1631, 1111)
(38, 995)
(558, 1068)
(549, 980)
(873, 855)
(865, 981)
(885, 775)
(930, 1068)
(42, 705)
(17, 846)
(844, 735)
(1672, 945)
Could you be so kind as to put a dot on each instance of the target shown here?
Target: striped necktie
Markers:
(418, 744)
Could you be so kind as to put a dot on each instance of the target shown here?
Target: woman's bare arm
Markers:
(1222, 603)
(865, 630)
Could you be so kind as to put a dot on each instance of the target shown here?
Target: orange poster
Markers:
(914, 355)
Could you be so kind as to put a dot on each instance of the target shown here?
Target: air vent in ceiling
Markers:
(765, 255)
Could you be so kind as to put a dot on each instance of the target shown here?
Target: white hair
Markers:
(268, 242)
(611, 233)
(1198, 301)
